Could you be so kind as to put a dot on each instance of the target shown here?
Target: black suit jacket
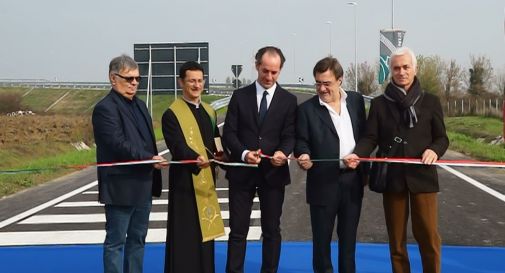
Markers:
(118, 139)
(242, 132)
(316, 136)
(383, 122)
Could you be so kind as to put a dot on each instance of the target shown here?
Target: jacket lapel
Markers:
(121, 106)
(147, 118)
(324, 115)
(351, 108)
(251, 97)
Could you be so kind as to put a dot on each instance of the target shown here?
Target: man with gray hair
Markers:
(412, 121)
(124, 132)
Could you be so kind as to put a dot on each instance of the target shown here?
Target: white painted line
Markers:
(56, 102)
(155, 202)
(46, 205)
(164, 152)
(163, 190)
(155, 235)
(475, 183)
(100, 218)
(24, 95)
(80, 218)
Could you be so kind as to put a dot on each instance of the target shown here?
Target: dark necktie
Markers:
(263, 107)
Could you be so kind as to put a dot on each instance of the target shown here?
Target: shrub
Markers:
(10, 102)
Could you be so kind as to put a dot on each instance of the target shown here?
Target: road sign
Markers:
(236, 69)
(236, 83)
(161, 62)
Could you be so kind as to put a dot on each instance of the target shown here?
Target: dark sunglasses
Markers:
(128, 79)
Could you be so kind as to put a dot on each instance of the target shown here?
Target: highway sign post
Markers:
(236, 69)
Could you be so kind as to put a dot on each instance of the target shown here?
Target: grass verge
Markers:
(471, 135)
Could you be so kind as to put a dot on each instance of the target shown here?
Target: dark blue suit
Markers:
(118, 138)
(331, 191)
(242, 131)
(123, 132)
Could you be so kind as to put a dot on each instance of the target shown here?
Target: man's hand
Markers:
(429, 157)
(253, 157)
(351, 161)
(202, 162)
(304, 161)
(163, 164)
(220, 156)
(278, 159)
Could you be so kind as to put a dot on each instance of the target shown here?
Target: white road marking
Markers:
(67, 237)
(76, 204)
(163, 190)
(46, 205)
(100, 218)
(475, 183)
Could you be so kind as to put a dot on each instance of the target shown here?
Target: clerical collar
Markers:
(196, 104)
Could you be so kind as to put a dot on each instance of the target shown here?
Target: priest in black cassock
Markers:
(194, 219)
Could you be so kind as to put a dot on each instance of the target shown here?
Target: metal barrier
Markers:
(220, 103)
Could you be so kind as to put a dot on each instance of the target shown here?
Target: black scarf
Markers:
(406, 102)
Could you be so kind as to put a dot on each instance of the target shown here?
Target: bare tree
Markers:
(452, 79)
(480, 75)
(429, 71)
(500, 82)
(367, 78)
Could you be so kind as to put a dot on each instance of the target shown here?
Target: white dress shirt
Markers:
(259, 95)
(343, 126)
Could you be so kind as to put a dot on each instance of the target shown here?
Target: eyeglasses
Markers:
(325, 84)
(129, 79)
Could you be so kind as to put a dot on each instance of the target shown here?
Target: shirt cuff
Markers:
(243, 155)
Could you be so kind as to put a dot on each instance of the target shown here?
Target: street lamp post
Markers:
(355, 4)
(329, 32)
(294, 56)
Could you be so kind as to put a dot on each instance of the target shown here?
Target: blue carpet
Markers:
(296, 257)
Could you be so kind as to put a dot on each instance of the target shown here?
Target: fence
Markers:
(470, 106)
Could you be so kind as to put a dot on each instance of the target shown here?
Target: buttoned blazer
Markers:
(242, 131)
(383, 123)
(316, 136)
(118, 139)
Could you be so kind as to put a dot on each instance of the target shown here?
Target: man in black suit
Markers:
(123, 131)
(328, 126)
(260, 120)
(413, 118)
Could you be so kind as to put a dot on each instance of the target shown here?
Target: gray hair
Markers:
(123, 62)
(402, 51)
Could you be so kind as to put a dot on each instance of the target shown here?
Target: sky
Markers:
(69, 40)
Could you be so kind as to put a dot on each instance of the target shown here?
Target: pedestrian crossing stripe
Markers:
(36, 216)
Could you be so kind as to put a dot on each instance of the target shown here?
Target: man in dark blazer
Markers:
(413, 118)
(123, 132)
(328, 127)
(260, 121)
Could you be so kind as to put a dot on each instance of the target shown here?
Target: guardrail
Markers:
(55, 85)
(220, 103)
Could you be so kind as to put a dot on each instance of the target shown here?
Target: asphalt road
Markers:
(467, 214)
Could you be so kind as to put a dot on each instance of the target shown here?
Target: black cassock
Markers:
(184, 250)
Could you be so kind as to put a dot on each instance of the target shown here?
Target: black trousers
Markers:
(241, 194)
(346, 208)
